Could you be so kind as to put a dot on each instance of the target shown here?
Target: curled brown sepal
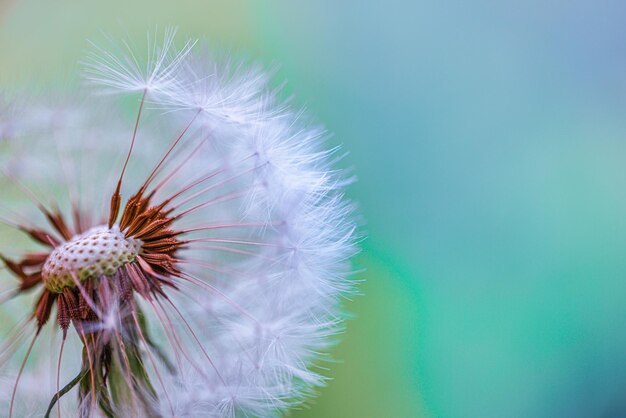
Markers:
(27, 270)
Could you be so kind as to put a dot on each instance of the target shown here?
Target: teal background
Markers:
(489, 139)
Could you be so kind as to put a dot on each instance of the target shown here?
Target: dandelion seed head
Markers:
(195, 260)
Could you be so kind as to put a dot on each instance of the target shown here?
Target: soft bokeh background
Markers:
(490, 142)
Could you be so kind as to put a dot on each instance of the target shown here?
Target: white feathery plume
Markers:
(222, 92)
(123, 71)
(230, 312)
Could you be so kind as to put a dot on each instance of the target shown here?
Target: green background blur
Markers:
(489, 139)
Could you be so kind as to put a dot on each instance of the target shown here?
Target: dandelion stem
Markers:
(65, 390)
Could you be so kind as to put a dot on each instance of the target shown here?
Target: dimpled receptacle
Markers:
(99, 251)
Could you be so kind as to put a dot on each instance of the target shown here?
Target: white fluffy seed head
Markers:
(268, 261)
(99, 251)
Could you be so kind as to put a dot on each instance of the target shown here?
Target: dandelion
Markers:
(188, 263)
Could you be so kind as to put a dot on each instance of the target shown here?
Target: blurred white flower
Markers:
(195, 258)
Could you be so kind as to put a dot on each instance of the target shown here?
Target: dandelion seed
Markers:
(193, 263)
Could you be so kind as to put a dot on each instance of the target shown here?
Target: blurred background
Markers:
(489, 139)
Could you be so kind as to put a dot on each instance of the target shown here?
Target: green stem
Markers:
(64, 391)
